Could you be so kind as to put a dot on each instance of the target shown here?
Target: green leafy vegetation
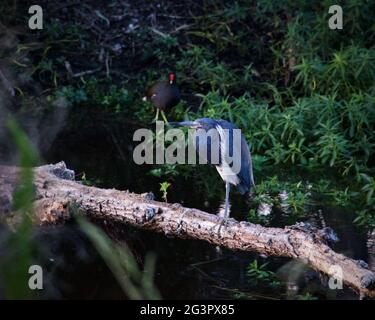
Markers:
(164, 189)
(22, 247)
(303, 95)
(267, 282)
(14, 265)
(136, 283)
(307, 105)
(259, 273)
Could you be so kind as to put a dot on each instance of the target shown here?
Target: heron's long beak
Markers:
(191, 124)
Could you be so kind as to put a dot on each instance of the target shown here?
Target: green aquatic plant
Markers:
(136, 283)
(259, 273)
(302, 93)
(369, 189)
(21, 248)
(164, 189)
(18, 257)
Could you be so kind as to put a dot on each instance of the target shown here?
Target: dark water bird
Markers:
(164, 95)
(233, 160)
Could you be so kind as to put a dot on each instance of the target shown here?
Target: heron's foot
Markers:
(222, 224)
(180, 221)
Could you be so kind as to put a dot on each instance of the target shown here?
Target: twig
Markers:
(68, 68)
(171, 16)
(117, 144)
(162, 34)
(183, 27)
(207, 262)
(84, 73)
(107, 64)
(250, 294)
(7, 84)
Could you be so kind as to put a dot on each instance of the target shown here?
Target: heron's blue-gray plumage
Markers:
(244, 178)
(223, 151)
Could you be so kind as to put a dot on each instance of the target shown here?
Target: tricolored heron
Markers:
(229, 146)
(164, 95)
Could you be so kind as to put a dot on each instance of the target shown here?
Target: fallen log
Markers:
(57, 192)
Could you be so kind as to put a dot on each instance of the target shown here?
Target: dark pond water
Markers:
(186, 269)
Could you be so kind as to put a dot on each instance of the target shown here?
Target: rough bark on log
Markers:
(371, 250)
(56, 191)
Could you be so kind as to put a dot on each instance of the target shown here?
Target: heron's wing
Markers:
(230, 154)
(207, 146)
(236, 161)
(246, 173)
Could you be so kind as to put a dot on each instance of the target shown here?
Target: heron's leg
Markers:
(227, 190)
(226, 210)
(164, 117)
(180, 221)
